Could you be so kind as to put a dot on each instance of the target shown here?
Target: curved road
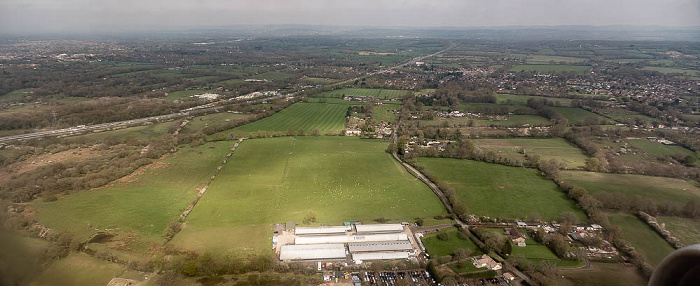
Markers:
(448, 207)
(81, 129)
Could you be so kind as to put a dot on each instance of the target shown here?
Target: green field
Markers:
(539, 59)
(552, 148)
(378, 93)
(659, 150)
(622, 116)
(537, 252)
(281, 179)
(606, 274)
(552, 68)
(200, 122)
(642, 237)
(144, 203)
(385, 112)
(666, 70)
(655, 188)
(79, 269)
(514, 120)
(307, 116)
(574, 114)
(501, 191)
(518, 99)
(436, 247)
(685, 229)
(15, 95)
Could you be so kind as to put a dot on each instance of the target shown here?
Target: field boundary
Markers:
(201, 193)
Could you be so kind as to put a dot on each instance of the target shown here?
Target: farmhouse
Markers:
(486, 261)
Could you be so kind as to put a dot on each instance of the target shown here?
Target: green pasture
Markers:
(501, 191)
(540, 59)
(606, 274)
(284, 179)
(78, 269)
(655, 188)
(144, 202)
(642, 237)
(550, 148)
(687, 230)
(304, 115)
(436, 247)
(552, 68)
(659, 150)
(198, 123)
(575, 114)
(385, 112)
(378, 93)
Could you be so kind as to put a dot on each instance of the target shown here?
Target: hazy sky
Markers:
(97, 15)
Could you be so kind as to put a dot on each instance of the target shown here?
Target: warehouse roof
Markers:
(379, 256)
(349, 238)
(362, 228)
(322, 230)
(379, 246)
(312, 251)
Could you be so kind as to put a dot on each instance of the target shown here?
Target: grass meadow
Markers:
(78, 269)
(283, 179)
(575, 114)
(552, 68)
(642, 237)
(143, 202)
(655, 188)
(436, 247)
(685, 229)
(606, 274)
(307, 116)
(378, 93)
(550, 148)
(659, 150)
(501, 191)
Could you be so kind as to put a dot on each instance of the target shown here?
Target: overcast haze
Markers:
(20, 16)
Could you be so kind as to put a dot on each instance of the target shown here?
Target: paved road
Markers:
(449, 209)
(82, 129)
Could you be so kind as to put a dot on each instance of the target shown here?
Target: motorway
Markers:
(82, 129)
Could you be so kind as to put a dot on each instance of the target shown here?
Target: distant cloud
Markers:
(97, 15)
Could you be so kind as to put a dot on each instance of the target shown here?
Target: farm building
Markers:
(322, 230)
(349, 238)
(312, 251)
(379, 256)
(356, 247)
(373, 228)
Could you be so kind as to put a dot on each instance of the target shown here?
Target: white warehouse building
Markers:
(312, 251)
(373, 228)
(349, 238)
(359, 257)
(322, 230)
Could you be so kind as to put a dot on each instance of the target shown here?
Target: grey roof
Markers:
(379, 255)
(322, 230)
(396, 227)
(316, 239)
(312, 251)
(379, 246)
